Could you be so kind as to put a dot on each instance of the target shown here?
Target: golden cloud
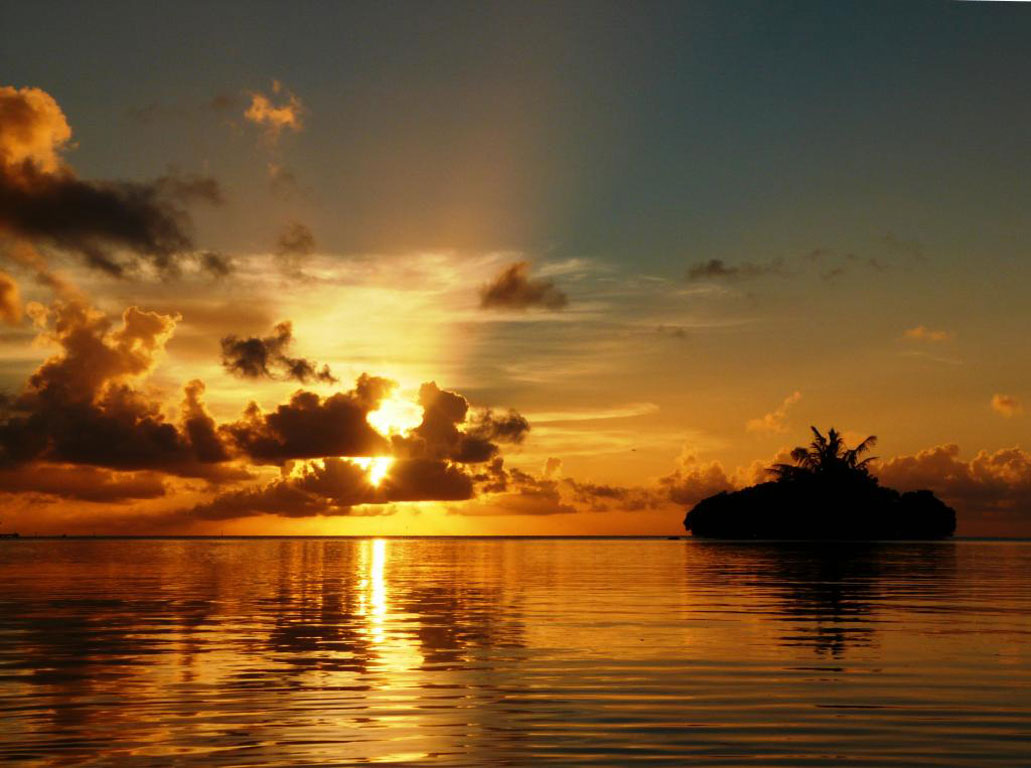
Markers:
(775, 420)
(275, 118)
(1007, 405)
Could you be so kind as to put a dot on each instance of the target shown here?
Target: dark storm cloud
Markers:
(79, 406)
(515, 289)
(310, 426)
(266, 357)
(113, 225)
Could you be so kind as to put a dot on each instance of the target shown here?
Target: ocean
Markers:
(485, 652)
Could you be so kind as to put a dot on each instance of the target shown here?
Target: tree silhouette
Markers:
(829, 493)
(828, 457)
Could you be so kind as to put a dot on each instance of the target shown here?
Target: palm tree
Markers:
(828, 457)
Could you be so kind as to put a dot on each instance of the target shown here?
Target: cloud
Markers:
(827, 263)
(717, 269)
(693, 481)
(629, 410)
(275, 118)
(510, 427)
(294, 244)
(515, 492)
(327, 450)
(603, 497)
(334, 486)
(43, 201)
(512, 491)
(309, 426)
(775, 420)
(215, 263)
(992, 488)
(443, 433)
(80, 407)
(841, 265)
(552, 467)
(923, 333)
(200, 428)
(515, 289)
(81, 483)
(256, 358)
(10, 300)
(1007, 405)
(282, 181)
(33, 129)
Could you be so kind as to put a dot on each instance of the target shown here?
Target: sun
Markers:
(395, 416)
(376, 466)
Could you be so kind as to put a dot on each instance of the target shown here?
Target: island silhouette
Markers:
(827, 493)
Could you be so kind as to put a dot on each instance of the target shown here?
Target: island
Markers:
(827, 493)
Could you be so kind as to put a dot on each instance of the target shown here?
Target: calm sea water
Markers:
(514, 652)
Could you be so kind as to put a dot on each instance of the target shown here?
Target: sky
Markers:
(505, 268)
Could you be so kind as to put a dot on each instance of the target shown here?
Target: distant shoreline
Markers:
(486, 537)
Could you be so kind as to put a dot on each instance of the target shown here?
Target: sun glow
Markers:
(376, 466)
(395, 416)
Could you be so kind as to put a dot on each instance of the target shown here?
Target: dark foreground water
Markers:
(514, 652)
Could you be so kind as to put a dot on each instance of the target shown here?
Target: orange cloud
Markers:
(991, 490)
(923, 333)
(80, 406)
(81, 483)
(34, 129)
(775, 420)
(1007, 405)
(275, 118)
(10, 300)
(693, 481)
(43, 201)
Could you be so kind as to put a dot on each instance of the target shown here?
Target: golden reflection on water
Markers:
(416, 652)
(392, 653)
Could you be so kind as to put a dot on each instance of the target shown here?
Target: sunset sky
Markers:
(505, 268)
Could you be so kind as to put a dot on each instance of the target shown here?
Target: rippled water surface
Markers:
(514, 652)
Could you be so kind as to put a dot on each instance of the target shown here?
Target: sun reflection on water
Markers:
(394, 654)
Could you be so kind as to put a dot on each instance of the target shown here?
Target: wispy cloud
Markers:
(775, 420)
(593, 414)
(923, 333)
